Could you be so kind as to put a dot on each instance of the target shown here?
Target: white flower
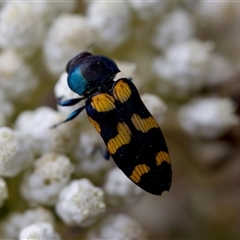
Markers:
(216, 13)
(16, 78)
(80, 203)
(17, 221)
(3, 191)
(208, 117)
(128, 70)
(119, 189)
(21, 28)
(119, 226)
(155, 105)
(146, 10)
(15, 153)
(90, 154)
(51, 173)
(39, 231)
(36, 125)
(111, 22)
(68, 35)
(51, 9)
(176, 27)
(184, 66)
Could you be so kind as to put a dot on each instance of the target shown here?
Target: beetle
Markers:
(114, 108)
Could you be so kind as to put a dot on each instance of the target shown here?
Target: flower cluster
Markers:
(184, 60)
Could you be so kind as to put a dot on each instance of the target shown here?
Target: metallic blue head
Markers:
(87, 72)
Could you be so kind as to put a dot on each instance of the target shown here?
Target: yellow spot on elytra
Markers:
(134, 178)
(161, 157)
(122, 91)
(95, 124)
(103, 102)
(138, 171)
(123, 137)
(143, 124)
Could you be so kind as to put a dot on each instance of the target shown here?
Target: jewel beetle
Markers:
(115, 109)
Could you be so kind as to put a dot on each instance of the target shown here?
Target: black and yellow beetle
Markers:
(132, 136)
